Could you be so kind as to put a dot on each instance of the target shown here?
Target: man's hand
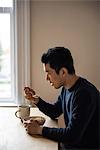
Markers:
(32, 127)
(29, 90)
(30, 95)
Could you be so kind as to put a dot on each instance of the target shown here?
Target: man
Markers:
(78, 101)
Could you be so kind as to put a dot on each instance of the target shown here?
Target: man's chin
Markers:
(56, 87)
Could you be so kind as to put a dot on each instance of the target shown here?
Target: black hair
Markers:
(59, 57)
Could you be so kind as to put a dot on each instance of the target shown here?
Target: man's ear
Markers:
(63, 71)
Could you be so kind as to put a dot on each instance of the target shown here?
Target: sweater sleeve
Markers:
(51, 110)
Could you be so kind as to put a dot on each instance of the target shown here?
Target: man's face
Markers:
(55, 79)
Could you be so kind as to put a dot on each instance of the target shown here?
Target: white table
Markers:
(14, 137)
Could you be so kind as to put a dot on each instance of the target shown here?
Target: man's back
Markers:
(88, 103)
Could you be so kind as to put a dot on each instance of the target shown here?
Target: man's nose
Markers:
(47, 78)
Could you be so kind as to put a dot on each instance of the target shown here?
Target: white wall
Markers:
(71, 24)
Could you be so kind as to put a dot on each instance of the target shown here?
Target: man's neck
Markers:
(70, 81)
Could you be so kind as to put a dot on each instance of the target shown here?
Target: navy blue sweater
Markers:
(80, 106)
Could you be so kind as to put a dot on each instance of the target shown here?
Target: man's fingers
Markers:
(31, 120)
(28, 90)
(25, 124)
(32, 91)
(28, 97)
